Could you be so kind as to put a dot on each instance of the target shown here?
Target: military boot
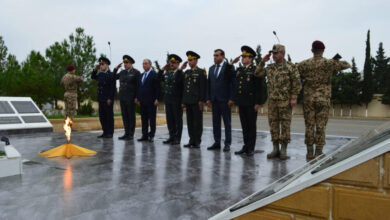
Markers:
(318, 151)
(310, 152)
(283, 152)
(275, 152)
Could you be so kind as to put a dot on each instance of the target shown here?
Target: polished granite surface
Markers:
(137, 180)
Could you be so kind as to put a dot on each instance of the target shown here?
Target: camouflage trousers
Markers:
(279, 119)
(316, 118)
(70, 99)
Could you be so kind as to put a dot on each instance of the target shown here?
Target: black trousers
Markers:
(128, 116)
(148, 118)
(106, 116)
(221, 109)
(248, 117)
(174, 115)
(194, 123)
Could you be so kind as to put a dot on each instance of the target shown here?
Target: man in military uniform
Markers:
(249, 95)
(70, 82)
(194, 96)
(316, 73)
(106, 91)
(283, 89)
(129, 79)
(172, 77)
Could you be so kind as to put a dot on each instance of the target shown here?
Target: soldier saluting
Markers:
(317, 74)
(249, 95)
(172, 77)
(106, 91)
(129, 83)
(70, 82)
(283, 89)
(194, 96)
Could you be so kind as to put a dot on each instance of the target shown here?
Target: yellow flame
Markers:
(67, 128)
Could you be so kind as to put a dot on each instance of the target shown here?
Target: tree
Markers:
(83, 53)
(3, 57)
(58, 57)
(10, 77)
(35, 79)
(3, 54)
(350, 84)
(386, 94)
(367, 84)
(380, 67)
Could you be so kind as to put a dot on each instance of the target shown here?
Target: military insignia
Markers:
(248, 79)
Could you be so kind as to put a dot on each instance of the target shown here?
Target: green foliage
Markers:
(83, 52)
(9, 81)
(86, 109)
(367, 84)
(3, 54)
(58, 58)
(380, 64)
(35, 79)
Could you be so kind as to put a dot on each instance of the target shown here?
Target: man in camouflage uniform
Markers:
(172, 76)
(283, 89)
(249, 95)
(70, 82)
(316, 73)
(129, 82)
(194, 96)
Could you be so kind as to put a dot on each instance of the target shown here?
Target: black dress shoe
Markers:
(226, 148)
(250, 153)
(215, 146)
(187, 145)
(240, 151)
(129, 138)
(123, 137)
(168, 141)
(175, 142)
(101, 136)
(196, 146)
(107, 136)
(143, 138)
(151, 139)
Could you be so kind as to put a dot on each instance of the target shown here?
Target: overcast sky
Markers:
(148, 29)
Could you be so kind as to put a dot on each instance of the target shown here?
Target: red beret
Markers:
(318, 45)
(70, 68)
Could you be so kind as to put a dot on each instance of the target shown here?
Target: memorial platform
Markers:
(140, 180)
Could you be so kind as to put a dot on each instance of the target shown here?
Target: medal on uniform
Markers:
(248, 79)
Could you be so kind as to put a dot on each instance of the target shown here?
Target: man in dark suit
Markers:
(172, 77)
(106, 92)
(147, 98)
(220, 84)
(129, 82)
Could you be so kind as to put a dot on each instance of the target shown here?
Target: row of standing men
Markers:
(248, 87)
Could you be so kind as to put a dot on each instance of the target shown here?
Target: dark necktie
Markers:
(216, 71)
(143, 79)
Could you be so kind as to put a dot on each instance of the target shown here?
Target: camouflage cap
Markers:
(278, 48)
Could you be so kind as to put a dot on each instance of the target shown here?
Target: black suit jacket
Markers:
(149, 91)
(221, 88)
(106, 85)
